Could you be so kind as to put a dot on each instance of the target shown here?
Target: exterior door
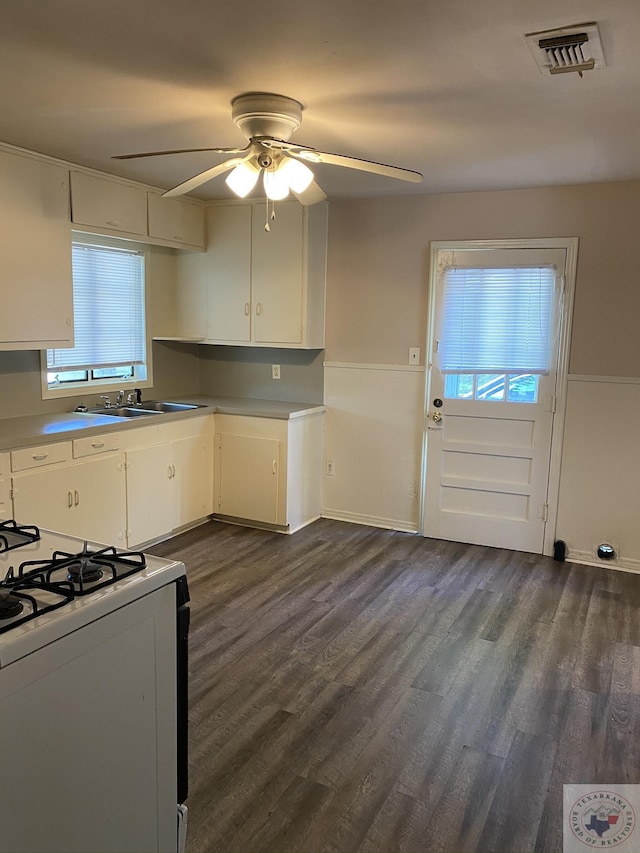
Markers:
(490, 413)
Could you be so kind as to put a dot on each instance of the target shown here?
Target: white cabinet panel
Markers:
(229, 278)
(268, 470)
(150, 493)
(277, 275)
(35, 254)
(104, 203)
(248, 469)
(6, 510)
(176, 220)
(170, 484)
(193, 474)
(85, 499)
(257, 288)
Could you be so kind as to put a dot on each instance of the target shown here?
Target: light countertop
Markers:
(31, 430)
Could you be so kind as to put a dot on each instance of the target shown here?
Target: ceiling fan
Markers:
(268, 120)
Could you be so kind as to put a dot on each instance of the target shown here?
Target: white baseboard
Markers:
(620, 564)
(370, 521)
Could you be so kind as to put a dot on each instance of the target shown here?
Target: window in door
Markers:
(111, 347)
(496, 332)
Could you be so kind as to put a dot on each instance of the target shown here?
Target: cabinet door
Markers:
(150, 493)
(193, 464)
(108, 204)
(6, 510)
(35, 255)
(247, 472)
(99, 500)
(176, 220)
(85, 500)
(229, 278)
(277, 275)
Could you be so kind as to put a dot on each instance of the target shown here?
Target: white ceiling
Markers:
(445, 87)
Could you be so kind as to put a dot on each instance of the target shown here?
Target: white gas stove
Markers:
(93, 689)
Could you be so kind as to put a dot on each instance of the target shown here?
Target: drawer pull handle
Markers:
(77, 498)
(111, 222)
(69, 500)
(246, 309)
(97, 444)
(39, 456)
(259, 309)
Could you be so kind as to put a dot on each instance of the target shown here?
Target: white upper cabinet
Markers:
(35, 254)
(114, 207)
(176, 220)
(255, 287)
(103, 203)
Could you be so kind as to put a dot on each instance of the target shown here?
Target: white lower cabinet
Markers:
(169, 478)
(268, 470)
(84, 499)
(5, 487)
(248, 469)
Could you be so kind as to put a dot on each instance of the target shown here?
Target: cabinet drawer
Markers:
(96, 444)
(35, 457)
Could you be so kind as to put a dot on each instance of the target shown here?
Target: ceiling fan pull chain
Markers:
(267, 227)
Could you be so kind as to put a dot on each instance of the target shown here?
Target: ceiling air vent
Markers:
(576, 48)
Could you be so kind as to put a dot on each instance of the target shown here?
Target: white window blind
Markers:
(497, 320)
(108, 308)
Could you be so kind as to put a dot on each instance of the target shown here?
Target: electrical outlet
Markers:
(414, 355)
(331, 469)
(275, 371)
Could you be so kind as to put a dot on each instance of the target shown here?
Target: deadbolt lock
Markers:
(436, 417)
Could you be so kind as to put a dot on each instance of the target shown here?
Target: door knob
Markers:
(436, 417)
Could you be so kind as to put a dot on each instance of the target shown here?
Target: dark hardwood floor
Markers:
(356, 689)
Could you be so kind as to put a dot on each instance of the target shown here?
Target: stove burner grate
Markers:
(33, 599)
(88, 570)
(13, 535)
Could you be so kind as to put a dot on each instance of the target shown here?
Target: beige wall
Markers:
(378, 267)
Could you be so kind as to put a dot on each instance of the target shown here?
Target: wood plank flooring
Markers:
(356, 689)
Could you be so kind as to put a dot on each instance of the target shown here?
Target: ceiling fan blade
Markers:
(181, 151)
(203, 177)
(312, 195)
(310, 155)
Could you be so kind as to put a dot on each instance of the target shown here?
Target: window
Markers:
(109, 319)
(496, 332)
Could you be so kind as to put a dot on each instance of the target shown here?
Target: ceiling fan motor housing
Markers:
(264, 114)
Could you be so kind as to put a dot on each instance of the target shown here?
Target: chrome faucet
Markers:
(107, 401)
(120, 398)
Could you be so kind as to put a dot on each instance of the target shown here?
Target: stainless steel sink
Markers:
(123, 411)
(161, 406)
(153, 407)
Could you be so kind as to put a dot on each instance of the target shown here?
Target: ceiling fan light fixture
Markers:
(276, 185)
(297, 175)
(243, 178)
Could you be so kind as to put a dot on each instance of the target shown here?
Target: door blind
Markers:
(497, 320)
